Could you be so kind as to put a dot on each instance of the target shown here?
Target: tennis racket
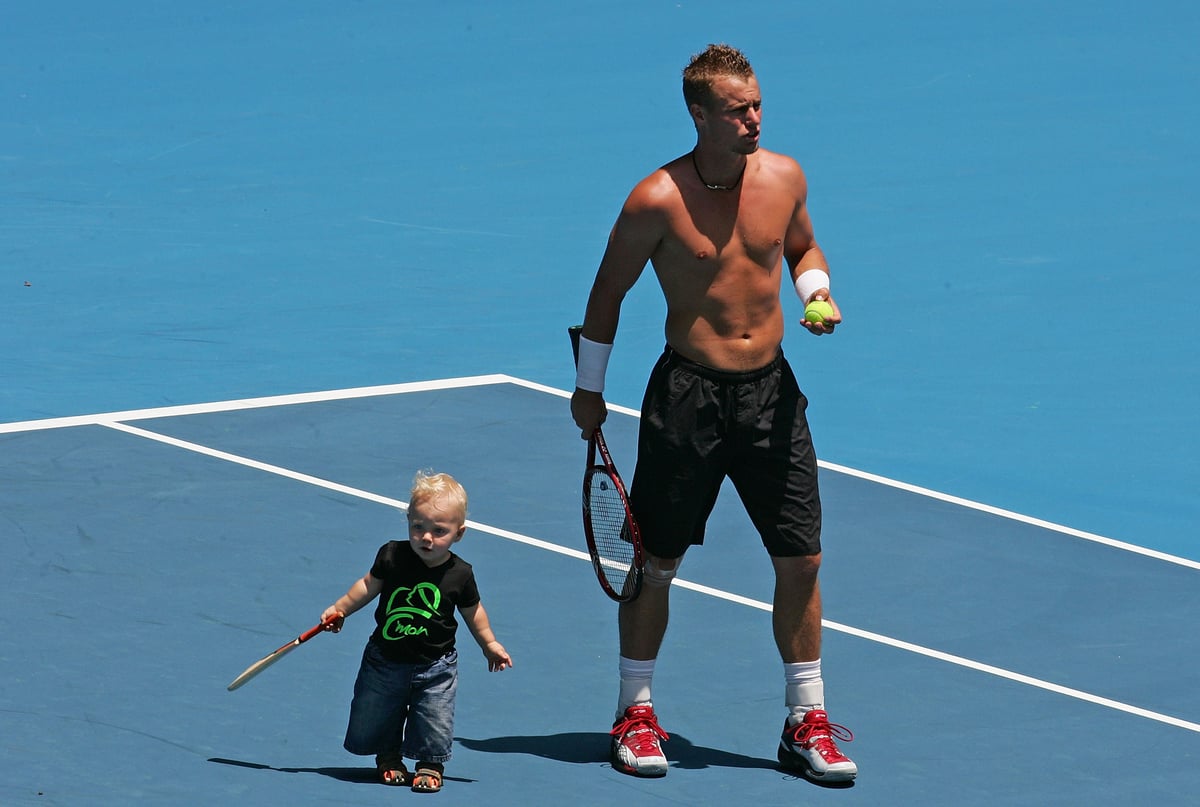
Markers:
(275, 655)
(613, 539)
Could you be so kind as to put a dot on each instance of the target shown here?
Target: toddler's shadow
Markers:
(360, 776)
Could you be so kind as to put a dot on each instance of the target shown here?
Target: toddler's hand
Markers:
(332, 619)
(497, 656)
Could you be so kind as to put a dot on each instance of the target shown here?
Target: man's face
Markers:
(733, 119)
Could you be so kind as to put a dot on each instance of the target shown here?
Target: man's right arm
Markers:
(634, 237)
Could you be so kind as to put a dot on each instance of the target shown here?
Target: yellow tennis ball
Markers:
(818, 311)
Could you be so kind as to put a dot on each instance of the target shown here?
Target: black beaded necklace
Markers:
(716, 187)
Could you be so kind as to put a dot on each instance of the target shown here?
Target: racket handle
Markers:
(575, 331)
(326, 624)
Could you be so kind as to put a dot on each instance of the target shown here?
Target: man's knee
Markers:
(659, 572)
(798, 568)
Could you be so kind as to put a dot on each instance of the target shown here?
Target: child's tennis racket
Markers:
(612, 534)
(275, 655)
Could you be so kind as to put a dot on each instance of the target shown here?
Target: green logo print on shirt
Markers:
(406, 619)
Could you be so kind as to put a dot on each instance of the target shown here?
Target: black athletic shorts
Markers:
(701, 425)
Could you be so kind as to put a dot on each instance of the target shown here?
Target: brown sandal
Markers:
(427, 780)
(391, 769)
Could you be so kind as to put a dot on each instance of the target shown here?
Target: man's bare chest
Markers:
(718, 235)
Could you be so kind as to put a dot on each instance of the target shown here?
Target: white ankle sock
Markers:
(803, 688)
(635, 682)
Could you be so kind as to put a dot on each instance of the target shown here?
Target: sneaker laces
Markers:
(820, 734)
(641, 731)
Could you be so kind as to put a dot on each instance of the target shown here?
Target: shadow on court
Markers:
(362, 776)
(586, 748)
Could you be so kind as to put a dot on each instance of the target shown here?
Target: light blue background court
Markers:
(229, 200)
(224, 201)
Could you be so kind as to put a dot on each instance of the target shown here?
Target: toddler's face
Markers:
(433, 529)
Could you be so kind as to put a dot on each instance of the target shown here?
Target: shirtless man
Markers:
(717, 225)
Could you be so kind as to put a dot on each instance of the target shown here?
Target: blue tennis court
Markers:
(263, 262)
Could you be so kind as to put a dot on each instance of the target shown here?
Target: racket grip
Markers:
(333, 623)
(574, 332)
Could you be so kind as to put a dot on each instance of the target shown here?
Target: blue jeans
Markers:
(403, 708)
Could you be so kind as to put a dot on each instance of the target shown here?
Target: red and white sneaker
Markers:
(635, 746)
(809, 747)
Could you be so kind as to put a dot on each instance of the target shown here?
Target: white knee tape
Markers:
(656, 575)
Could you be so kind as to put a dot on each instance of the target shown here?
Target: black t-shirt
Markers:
(414, 619)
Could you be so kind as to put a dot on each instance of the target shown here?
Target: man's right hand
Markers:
(589, 410)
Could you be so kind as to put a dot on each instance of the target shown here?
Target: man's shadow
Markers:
(589, 747)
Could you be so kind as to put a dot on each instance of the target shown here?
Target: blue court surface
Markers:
(260, 262)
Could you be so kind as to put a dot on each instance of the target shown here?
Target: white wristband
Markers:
(810, 282)
(592, 365)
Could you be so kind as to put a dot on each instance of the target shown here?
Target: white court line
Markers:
(255, 464)
(949, 658)
(702, 589)
(1009, 514)
(943, 497)
(252, 403)
(473, 381)
(325, 483)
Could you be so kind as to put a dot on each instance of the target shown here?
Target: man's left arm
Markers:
(807, 264)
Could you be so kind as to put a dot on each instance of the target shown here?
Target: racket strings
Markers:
(611, 531)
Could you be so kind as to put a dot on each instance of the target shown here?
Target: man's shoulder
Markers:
(658, 190)
(778, 163)
(661, 180)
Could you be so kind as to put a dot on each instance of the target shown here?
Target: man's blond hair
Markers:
(715, 61)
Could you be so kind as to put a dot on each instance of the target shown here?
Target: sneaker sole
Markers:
(653, 773)
(791, 761)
